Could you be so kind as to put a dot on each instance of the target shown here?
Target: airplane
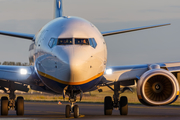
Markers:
(68, 56)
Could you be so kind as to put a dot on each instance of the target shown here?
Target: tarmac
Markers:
(53, 110)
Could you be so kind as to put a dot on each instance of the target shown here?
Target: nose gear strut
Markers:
(72, 99)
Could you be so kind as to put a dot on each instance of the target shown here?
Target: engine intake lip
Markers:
(159, 88)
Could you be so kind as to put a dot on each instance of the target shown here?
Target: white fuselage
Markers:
(78, 65)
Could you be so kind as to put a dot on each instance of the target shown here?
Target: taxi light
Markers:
(109, 71)
(23, 71)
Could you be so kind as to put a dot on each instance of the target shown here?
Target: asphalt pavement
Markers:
(52, 110)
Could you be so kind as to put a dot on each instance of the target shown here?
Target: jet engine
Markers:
(157, 87)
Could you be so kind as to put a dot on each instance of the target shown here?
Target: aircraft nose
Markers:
(74, 63)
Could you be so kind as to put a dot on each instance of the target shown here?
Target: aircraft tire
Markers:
(108, 105)
(4, 106)
(76, 111)
(68, 111)
(20, 106)
(123, 105)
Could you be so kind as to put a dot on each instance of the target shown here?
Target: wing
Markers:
(19, 35)
(20, 78)
(16, 77)
(107, 33)
(15, 73)
(134, 72)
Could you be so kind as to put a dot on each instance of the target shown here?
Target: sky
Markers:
(141, 47)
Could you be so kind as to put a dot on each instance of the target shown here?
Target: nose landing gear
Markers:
(72, 108)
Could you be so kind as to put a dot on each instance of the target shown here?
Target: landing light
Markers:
(23, 71)
(109, 71)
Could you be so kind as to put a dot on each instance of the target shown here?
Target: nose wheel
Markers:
(68, 111)
(72, 109)
(76, 111)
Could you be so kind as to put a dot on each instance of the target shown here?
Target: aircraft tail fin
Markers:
(58, 8)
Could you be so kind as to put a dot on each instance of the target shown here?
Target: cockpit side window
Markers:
(31, 47)
(66, 41)
(81, 41)
(92, 42)
(51, 42)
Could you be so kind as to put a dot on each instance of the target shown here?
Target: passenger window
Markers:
(82, 41)
(67, 41)
(51, 42)
(92, 42)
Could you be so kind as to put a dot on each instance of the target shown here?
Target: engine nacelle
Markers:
(157, 87)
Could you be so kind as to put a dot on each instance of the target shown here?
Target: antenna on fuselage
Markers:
(58, 8)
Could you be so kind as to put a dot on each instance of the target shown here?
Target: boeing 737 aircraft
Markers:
(68, 56)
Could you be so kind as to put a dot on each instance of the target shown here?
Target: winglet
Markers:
(58, 8)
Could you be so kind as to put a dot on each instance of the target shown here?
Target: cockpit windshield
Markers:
(81, 41)
(66, 41)
(72, 41)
